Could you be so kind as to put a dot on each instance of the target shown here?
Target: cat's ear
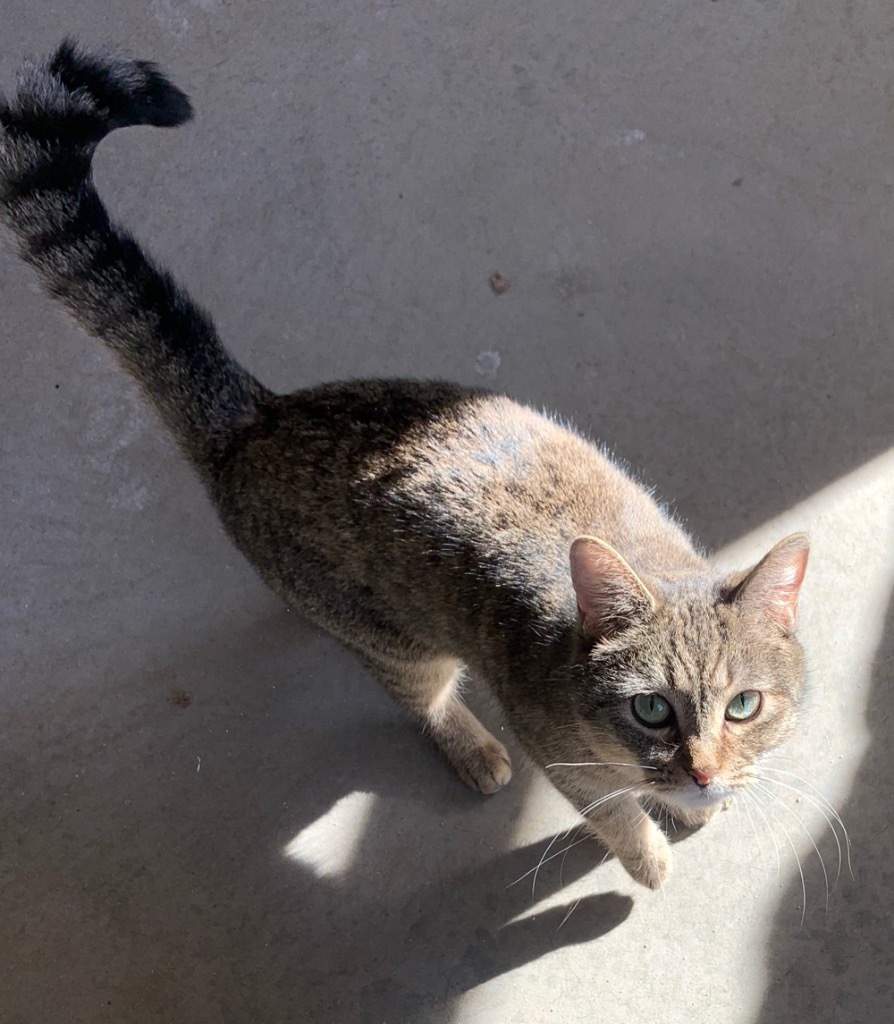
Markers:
(610, 596)
(771, 588)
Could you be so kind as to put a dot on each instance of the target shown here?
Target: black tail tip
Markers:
(95, 90)
(130, 91)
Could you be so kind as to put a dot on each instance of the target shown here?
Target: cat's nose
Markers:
(702, 778)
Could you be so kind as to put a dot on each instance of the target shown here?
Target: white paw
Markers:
(650, 864)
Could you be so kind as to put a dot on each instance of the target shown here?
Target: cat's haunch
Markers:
(430, 527)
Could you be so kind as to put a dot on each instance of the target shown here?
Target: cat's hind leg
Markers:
(429, 688)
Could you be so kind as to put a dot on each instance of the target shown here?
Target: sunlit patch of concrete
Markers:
(328, 846)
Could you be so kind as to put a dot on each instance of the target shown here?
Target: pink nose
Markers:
(702, 778)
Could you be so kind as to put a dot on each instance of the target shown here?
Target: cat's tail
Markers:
(63, 107)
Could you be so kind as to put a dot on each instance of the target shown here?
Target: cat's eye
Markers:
(743, 706)
(652, 709)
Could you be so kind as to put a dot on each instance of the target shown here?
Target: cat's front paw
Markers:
(486, 768)
(649, 864)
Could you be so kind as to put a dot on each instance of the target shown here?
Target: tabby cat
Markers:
(432, 528)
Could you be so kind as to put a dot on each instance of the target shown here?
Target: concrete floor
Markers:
(208, 813)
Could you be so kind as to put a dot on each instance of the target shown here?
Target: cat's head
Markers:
(695, 688)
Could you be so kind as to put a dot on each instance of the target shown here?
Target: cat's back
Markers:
(367, 460)
(436, 440)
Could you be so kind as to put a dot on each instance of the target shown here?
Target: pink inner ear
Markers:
(788, 588)
(609, 593)
(774, 585)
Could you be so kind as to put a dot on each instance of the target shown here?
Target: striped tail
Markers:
(63, 107)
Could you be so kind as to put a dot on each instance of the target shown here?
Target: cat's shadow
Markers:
(416, 905)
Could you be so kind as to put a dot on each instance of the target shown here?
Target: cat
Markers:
(434, 529)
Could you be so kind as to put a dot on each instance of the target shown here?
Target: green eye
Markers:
(652, 709)
(743, 706)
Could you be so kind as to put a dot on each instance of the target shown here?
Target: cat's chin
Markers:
(696, 805)
(692, 811)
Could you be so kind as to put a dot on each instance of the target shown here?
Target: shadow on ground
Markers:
(171, 867)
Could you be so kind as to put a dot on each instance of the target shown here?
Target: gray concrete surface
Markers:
(693, 203)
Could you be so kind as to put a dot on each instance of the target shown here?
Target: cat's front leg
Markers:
(634, 838)
(617, 819)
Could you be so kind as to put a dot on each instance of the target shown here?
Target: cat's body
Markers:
(435, 523)
(429, 526)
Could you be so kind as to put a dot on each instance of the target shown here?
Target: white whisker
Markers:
(565, 852)
(604, 799)
(570, 912)
(757, 838)
(797, 818)
(797, 861)
(545, 858)
(541, 862)
(753, 801)
(819, 807)
(825, 801)
(785, 757)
